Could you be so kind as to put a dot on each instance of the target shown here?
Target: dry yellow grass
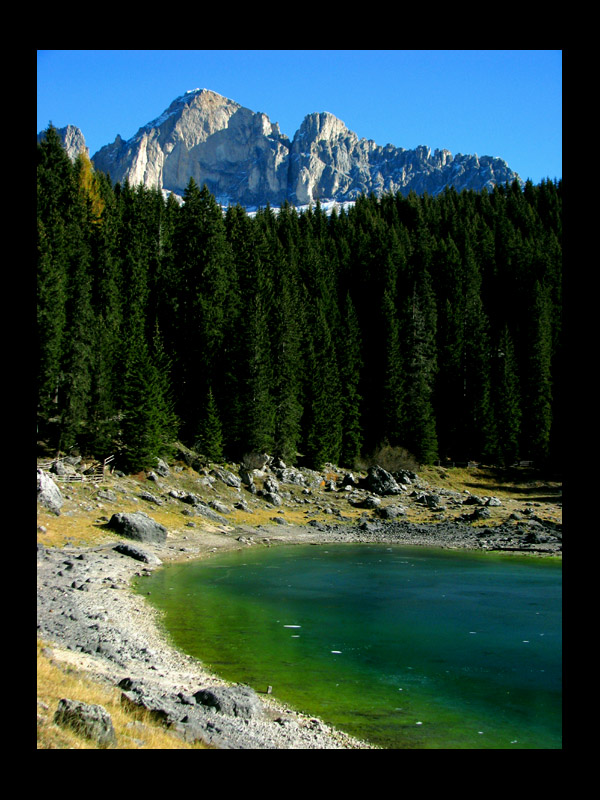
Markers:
(135, 730)
(515, 484)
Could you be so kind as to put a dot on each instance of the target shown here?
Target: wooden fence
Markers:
(94, 472)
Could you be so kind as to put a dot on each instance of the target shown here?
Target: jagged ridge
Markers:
(244, 158)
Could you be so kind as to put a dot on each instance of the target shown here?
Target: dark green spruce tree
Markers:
(209, 434)
(56, 189)
(350, 364)
(250, 407)
(537, 402)
(207, 303)
(323, 410)
(507, 401)
(286, 328)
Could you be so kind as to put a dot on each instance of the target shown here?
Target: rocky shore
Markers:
(92, 619)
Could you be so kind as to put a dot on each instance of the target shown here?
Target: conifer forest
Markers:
(432, 324)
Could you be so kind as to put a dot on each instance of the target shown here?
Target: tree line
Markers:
(433, 324)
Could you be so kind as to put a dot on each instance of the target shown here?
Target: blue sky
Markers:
(504, 103)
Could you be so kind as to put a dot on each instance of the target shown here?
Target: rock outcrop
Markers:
(243, 157)
(72, 139)
(239, 154)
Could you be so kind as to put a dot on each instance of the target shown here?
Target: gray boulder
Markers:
(139, 526)
(162, 468)
(270, 486)
(220, 508)
(370, 502)
(48, 493)
(473, 500)
(92, 721)
(391, 512)
(228, 478)
(150, 498)
(235, 701)
(289, 475)
(138, 554)
(432, 501)
(107, 494)
(380, 481)
(63, 468)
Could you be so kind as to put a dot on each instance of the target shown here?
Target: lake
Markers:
(409, 648)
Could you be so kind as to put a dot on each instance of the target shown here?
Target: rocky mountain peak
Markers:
(321, 126)
(244, 158)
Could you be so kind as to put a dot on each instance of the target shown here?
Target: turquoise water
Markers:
(410, 648)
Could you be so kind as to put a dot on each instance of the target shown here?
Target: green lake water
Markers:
(410, 648)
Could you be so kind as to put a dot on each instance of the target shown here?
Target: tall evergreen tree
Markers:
(286, 346)
(392, 424)
(419, 434)
(323, 412)
(56, 189)
(207, 301)
(350, 364)
(145, 432)
(250, 409)
(507, 401)
(209, 435)
(79, 345)
(537, 411)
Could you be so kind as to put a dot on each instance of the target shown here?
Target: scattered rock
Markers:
(92, 721)
(473, 500)
(289, 475)
(390, 512)
(162, 468)
(432, 501)
(369, 502)
(479, 513)
(493, 501)
(381, 482)
(273, 498)
(139, 526)
(48, 493)
(63, 468)
(107, 494)
(150, 498)
(270, 486)
(220, 508)
(140, 555)
(235, 701)
(228, 478)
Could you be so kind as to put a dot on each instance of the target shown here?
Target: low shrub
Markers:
(392, 458)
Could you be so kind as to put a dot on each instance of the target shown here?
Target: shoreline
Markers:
(92, 619)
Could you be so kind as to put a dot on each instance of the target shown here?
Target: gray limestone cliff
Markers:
(72, 139)
(239, 154)
(244, 158)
